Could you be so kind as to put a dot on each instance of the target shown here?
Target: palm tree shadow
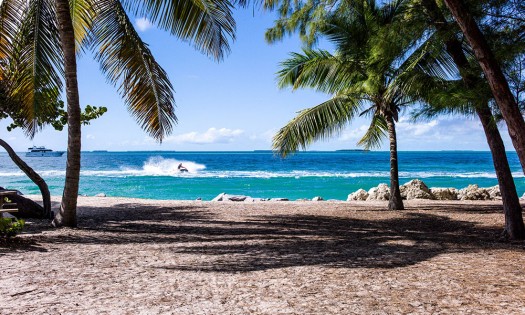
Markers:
(300, 240)
(201, 240)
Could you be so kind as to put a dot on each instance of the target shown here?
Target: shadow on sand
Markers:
(261, 242)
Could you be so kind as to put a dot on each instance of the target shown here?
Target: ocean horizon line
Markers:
(270, 151)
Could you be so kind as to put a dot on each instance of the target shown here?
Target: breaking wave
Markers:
(168, 167)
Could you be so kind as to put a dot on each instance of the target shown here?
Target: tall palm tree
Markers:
(361, 75)
(47, 35)
(467, 96)
(493, 73)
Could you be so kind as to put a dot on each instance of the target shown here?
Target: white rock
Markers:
(473, 192)
(317, 198)
(444, 193)
(381, 192)
(100, 195)
(494, 192)
(234, 197)
(360, 194)
(219, 197)
(279, 199)
(415, 189)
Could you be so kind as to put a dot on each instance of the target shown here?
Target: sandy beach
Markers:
(133, 256)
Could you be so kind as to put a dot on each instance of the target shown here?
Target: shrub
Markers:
(10, 227)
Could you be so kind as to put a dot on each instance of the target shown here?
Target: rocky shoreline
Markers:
(414, 189)
(417, 189)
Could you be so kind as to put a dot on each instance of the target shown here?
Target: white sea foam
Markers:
(158, 166)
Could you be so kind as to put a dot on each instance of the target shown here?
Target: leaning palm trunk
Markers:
(497, 81)
(39, 181)
(514, 227)
(395, 202)
(67, 215)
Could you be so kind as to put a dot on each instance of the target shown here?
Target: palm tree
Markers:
(48, 34)
(493, 73)
(362, 77)
(467, 96)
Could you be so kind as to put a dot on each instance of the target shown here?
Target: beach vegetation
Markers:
(477, 20)
(51, 113)
(44, 37)
(10, 227)
(509, 16)
(439, 58)
(361, 75)
(452, 83)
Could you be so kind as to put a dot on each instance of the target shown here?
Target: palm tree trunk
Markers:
(511, 205)
(39, 181)
(497, 81)
(67, 215)
(395, 202)
(514, 227)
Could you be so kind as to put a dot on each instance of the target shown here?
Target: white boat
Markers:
(42, 151)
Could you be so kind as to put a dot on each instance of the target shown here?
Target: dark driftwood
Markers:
(27, 208)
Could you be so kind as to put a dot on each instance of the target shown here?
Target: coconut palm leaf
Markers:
(208, 24)
(11, 12)
(316, 123)
(82, 14)
(35, 65)
(126, 60)
(377, 131)
(320, 70)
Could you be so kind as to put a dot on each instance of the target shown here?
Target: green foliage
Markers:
(125, 58)
(31, 58)
(55, 116)
(362, 74)
(10, 227)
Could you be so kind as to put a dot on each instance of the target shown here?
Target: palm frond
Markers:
(35, 65)
(82, 14)
(319, 70)
(375, 133)
(316, 123)
(126, 60)
(11, 15)
(208, 24)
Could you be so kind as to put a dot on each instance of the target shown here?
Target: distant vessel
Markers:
(42, 151)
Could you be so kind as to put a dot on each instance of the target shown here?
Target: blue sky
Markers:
(231, 105)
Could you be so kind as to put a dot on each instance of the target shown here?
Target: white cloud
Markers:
(354, 134)
(212, 135)
(91, 137)
(143, 24)
(416, 129)
(266, 136)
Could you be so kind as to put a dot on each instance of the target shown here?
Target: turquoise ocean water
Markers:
(332, 175)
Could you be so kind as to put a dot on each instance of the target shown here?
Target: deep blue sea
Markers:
(332, 175)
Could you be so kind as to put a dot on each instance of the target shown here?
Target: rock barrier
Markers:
(417, 189)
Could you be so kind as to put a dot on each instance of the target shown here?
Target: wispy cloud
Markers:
(266, 136)
(437, 134)
(417, 129)
(212, 135)
(354, 134)
(143, 24)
